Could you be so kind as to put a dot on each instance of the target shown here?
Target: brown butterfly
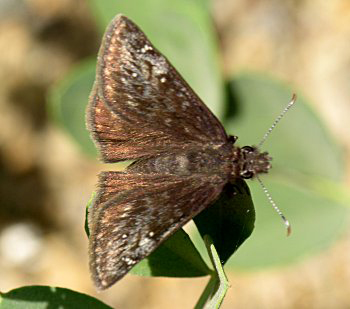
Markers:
(142, 109)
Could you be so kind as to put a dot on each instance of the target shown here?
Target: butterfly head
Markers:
(253, 162)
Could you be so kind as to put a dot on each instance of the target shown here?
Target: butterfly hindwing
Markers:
(129, 221)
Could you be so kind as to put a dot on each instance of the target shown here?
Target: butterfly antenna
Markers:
(267, 193)
(278, 119)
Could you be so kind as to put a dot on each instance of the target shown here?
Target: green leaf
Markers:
(305, 158)
(37, 297)
(89, 204)
(316, 223)
(230, 220)
(68, 101)
(300, 142)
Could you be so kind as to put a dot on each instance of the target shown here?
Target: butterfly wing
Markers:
(146, 203)
(150, 103)
(117, 138)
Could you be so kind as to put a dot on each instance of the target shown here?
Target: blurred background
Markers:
(46, 176)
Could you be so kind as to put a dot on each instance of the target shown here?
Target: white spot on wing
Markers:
(144, 241)
(128, 260)
(132, 103)
(185, 104)
(114, 39)
(160, 67)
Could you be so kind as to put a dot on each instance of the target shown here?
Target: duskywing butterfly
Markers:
(141, 109)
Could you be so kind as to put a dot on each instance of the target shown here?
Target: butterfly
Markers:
(141, 109)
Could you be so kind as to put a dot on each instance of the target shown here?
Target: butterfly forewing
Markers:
(116, 139)
(147, 95)
(134, 213)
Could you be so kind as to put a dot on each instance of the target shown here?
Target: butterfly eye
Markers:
(248, 149)
(246, 174)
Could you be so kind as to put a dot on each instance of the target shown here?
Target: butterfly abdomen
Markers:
(206, 161)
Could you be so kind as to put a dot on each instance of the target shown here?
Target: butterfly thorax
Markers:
(249, 161)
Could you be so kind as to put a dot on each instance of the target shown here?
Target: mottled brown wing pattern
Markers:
(154, 106)
(134, 213)
(119, 140)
